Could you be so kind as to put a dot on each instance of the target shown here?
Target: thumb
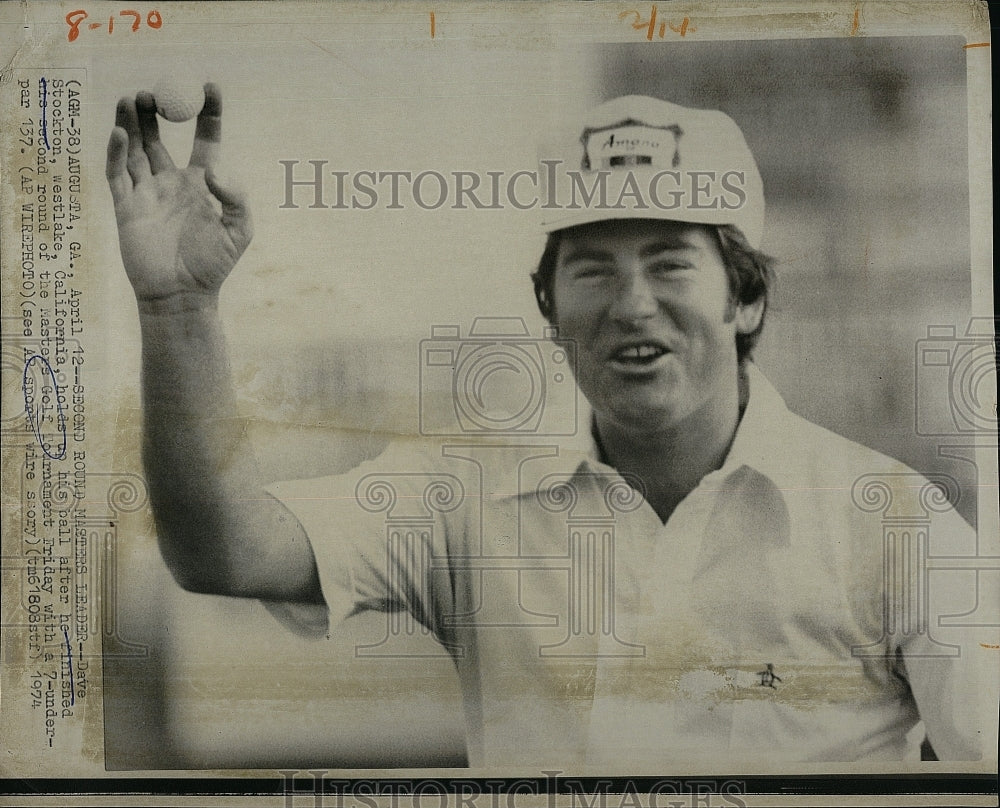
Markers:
(235, 208)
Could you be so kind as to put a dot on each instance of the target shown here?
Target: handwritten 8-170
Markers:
(650, 27)
(76, 18)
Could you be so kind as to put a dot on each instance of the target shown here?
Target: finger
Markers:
(235, 209)
(156, 152)
(117, 167)
(208, 131)
(128, 119)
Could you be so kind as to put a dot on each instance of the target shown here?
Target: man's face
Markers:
(648, 305)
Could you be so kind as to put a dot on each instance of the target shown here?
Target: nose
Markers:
(634, 299)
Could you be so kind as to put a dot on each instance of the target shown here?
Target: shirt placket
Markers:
(655, 564)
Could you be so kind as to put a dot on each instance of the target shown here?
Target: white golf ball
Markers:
(179, 98)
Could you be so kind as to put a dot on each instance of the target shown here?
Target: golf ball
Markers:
(179, 98)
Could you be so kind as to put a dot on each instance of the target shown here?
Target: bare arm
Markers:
(181, 233)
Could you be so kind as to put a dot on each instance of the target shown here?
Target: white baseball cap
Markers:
(641, 157)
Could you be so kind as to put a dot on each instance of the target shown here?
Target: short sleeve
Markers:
(372, 536)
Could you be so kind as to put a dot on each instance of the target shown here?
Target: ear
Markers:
(748, 316)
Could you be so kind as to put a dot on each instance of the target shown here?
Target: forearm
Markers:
(198, 465)
(218, 530)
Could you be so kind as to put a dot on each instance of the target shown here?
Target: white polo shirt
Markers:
(785, 611)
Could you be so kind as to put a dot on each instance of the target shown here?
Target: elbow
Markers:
(194, 549)
(195, 583)
(196, 578)
(209, 570)
(192, 569)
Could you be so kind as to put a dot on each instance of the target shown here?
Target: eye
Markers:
(667, 266)
(590, 271)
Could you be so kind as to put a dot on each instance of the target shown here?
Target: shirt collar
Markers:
(761, 433)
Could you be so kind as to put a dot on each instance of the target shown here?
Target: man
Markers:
(611, 602)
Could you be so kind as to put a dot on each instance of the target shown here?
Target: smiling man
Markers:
(649, 307)
(659, 289)
(691, 581)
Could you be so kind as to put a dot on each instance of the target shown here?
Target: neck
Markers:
(671, 462)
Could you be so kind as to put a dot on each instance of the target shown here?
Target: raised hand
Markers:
(180, 230)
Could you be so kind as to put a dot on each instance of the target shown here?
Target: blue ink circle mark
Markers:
(36, 410)
(69, 659)
(45, 105)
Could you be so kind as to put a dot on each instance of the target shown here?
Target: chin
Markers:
(642, 417)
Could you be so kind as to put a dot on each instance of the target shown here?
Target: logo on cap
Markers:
(631, 143)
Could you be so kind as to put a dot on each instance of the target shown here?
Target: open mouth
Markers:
(639, 354)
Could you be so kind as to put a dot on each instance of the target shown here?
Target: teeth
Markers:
(639, 352)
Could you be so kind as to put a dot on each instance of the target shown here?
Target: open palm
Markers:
(179, 229)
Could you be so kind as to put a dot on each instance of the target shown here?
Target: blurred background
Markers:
(862, 144)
